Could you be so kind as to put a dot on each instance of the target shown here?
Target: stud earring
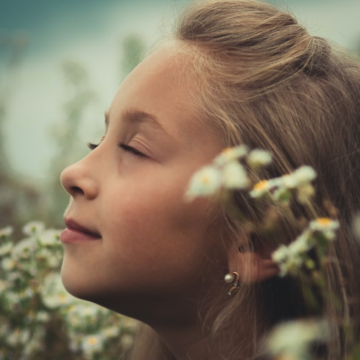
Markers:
(233, 280)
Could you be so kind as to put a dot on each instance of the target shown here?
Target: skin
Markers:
(157, 255)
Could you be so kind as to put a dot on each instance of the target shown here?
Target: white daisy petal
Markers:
(6, 232)
(204, 182)
(258, 158)
(91, 344)
(260, 188)
(234, 176)
(230, 154)
(304, 175)
(33, 228)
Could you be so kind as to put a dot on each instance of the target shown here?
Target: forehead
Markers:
(161, 86)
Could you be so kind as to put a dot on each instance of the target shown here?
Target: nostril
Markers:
(77, 190)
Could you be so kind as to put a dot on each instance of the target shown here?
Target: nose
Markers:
(79, 181)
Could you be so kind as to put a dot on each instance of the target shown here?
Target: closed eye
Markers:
(92, 146)
(122, 146)
(130, 149)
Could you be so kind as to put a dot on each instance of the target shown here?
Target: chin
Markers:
(84, 285)
(78, 285)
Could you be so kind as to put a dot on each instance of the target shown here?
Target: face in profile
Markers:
(146, 244)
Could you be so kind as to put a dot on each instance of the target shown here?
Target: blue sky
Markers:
(90, 31)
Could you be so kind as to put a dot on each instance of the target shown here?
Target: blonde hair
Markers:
(264, 81)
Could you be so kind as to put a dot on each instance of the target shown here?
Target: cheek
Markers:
(156, 232)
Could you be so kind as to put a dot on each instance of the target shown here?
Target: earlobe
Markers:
(252, 265)
(263, 268)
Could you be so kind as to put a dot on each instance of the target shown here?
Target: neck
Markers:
(177, 325)
(186, 342)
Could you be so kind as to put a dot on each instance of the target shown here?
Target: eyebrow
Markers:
(138, 117)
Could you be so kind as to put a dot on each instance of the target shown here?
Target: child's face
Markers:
(153, 245)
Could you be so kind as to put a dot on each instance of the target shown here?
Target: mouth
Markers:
(77, 233)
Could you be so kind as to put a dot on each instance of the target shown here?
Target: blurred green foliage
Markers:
(133, 48)
(20, 200)
(38, 318)
(65, 135)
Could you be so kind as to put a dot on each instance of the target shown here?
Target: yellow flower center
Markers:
(92, 341)
(205, 179)
(260, 185)
(62, 298)
(226, 150)
(324, 221)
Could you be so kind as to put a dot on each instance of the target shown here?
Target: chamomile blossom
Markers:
(304, 193)
(324, 224)
(3, 285)
(110, 331)
(355, 227)
(8, 264)
(126, 341)
(234, 176)
(260, 188)
(49, 237)
(6, 248)
(6, 232)
(299, 178)
(130, 324)
(53, 292)
(33, 228)
(281, 254)
(91, 344)
(231, 154)
(287, 181)
(304, 175)
(25, 248)
(258, 158)
(302, 244)
(42, 316)
(204, 182)
(290, 258)
(18, 337)
(293, 340)
(88, 310)
(291, 265)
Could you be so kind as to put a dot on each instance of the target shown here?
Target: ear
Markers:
(252, 265)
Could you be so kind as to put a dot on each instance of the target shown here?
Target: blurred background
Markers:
(61, 62)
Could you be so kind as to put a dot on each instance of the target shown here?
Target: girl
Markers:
(234, 72)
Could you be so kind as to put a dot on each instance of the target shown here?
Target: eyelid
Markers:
(93, 146)
(131, 150)
(123, 146)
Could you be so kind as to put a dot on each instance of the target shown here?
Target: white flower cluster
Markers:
(226, 172)
(293, 340)
(292, 257)
(32, 295)
(6, 232)
(280, 188)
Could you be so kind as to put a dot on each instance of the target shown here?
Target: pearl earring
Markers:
(233, 280)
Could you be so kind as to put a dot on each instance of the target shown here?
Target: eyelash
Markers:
(122, 146)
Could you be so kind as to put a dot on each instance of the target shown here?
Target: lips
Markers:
(77, 233)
